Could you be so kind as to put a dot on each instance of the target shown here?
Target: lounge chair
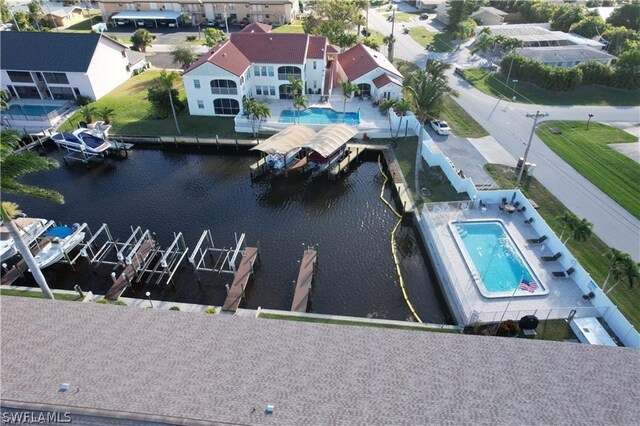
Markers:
(528, 221)
(504, 201)
(517, 204)
(523, 209)
(564, 274)
(553, 258)
(501, 208)
(537, 240)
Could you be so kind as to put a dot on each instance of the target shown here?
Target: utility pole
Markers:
(535, 117)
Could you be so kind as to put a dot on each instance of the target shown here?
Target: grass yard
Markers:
(83, 26)
(442, 42)
(494, 84)
(133, 117)
(291, 28)
(37, 294)
(588, 152)
(591, 253)
(422, 35)
(556, 330)
(402, 16)
(377, 36)
(460, 121)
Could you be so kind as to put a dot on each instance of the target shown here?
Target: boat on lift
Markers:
(56, 242)
(29, 228)
(89, 141)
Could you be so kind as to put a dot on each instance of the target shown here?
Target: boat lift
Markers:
(226, 259)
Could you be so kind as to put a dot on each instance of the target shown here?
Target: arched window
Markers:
(285, 72)
(226, 106)
(224, 87)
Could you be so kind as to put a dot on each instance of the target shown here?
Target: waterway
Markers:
(190, 190)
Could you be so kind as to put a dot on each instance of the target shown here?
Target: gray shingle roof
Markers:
(188, 367)
(565, 53)
(57, 52)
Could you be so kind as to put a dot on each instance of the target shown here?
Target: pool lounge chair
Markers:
(553, 258)
(564, 274)
(536, 240)
(528, 221)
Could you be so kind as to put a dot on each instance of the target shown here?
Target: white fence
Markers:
(603, 306)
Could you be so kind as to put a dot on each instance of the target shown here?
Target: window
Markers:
(241, 80)
(153, 6)
(29, 92)
(272, 90)
(315, 66)
(77, 92)
(61, 93)
(56, 78)
(226, 106)
(224, 87)
(259, 90)
(196, 84)
(270, 69)
(20, 77)
(266, 16)
(263, 71)
(232, 6)
(256, 71)
(200, 104)
(288, 71)
(266, 6)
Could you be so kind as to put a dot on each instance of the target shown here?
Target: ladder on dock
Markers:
(10, 276)
(241, 279)
(305, 277)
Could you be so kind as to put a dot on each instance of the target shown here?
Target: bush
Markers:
(102, 302)
(174, 308)
(211, 310)
(159, 99)
(121, 303)
(83, 100)
(508, 328)
(550, 78)
(596, 73)
(191, 38)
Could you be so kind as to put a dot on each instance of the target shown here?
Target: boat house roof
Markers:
(331, 138)
(284, 141)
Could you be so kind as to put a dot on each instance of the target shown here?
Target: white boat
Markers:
(89, 141)
(278, 161)
(30, 229)
(57, 242)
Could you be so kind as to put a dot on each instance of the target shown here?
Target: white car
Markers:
(441, 127)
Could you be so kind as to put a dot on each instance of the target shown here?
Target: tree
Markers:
(164, 85)
(436, 68)
(348, 89)
(184, 55)
(619, 38)
(105, 113)
(86, 112)
(384, 107)
(566, 15)
(588, 27)
(459, 11)
(21, 19)
(296, 89)
(5, 15)
(389, 40)
(627, 15)
(371, 43)
(35, 12)
(463, 29)
(568, 221)
(257, 113)
(331, 18)
(427, 93)
(401, 108)
(300, 103)
(141, 39)
(4, 100)
(359, 21)
(213, 36)
(625, 268)
(485, 41)
(615, 258)
(581, 231)
(14, 166)
(347, 40)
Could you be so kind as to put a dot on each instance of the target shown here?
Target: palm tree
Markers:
(389, 41)
(484, 42)
(166, 80)
(87, 112)
(616, 257)
(360, 21)
(436, 68)
(300, 103)
(385, 106)
(568, 221)
(105, 114)
(626, 268)
(257, 113)
(14, 166)
(401, 108)
(4, 100)
(427, 94)
(296, 89)
(581, 231)
(348, 90)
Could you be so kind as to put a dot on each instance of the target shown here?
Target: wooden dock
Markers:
(353, 152)
(121, 283)
(399, 183)
(258, 168)
(305, 276)
(21, 267)
(240, 279)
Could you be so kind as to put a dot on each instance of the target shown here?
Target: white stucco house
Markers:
(489, 16)
(63, 66)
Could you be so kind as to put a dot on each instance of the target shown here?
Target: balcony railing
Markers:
(285, 76)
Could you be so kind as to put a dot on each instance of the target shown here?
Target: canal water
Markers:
(188, 191)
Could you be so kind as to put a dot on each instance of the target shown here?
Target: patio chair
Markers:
(501, 208)
(523, 209)
(504, 201)
(517, 204)
(528, 221)
(564, 274)
(537, 240)
(553, 258)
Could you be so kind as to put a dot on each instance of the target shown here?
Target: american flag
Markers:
(529, 286)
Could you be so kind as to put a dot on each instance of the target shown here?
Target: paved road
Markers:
(511, 128)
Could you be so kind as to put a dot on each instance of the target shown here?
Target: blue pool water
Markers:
(320, 116)
(30, 110)
(497, 261)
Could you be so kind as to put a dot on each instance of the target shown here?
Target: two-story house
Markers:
(254, 64)
(64, 66)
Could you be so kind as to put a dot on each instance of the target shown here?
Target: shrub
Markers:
(121, 303)
(174, 308)
(211, 310)
(191, 38)
(508, 328)
(102, 302)
(83, 100)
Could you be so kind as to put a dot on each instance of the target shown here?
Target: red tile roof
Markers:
(360, 60)
(317, 47)
(257, 27)
(272, 48)
(332, 49)
(225, 55)
(384, 79)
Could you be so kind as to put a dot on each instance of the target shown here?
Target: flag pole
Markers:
(509, 303)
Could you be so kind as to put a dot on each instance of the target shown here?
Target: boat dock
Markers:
(398, 181)
(139, 258)
(241, 279)
(8, 277)
(353, 152)
(259, 168)
(305, 276)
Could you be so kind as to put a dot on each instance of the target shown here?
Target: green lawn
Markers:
(460, 121)
(402, 16)
(586, 151)
(590, 253)
(494, 84)
(37, 294)
(422, 35)
(556, 330)
(291, 28)
(133, 118)
(356, 323)
(442, 42)
(83, 26)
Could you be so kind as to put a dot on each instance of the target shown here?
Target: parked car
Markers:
(121, 22)
(244, 22)
(440, 127)
(149, 24)
(424, 16)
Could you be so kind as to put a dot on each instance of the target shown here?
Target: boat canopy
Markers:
(20, 223)
(330, 139)
(286, 140)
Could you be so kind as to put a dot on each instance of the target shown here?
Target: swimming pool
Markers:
(494, 260)
(30, 110)
(320, 116)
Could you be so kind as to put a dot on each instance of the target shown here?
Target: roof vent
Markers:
(270, 38)
(224, 55)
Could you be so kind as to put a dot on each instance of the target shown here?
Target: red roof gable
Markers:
(317, 47)
(226, 56)
(257, 27)
(384, 79)
(272, 48)
(360, 60)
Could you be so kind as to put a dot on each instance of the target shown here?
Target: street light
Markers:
(149, 297)
(589, 120)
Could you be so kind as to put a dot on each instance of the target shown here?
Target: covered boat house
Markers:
(329, 145)
(284, 148)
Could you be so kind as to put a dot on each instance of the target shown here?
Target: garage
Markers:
(147, 19)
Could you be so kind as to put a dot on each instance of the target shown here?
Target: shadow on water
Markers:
(193, 190)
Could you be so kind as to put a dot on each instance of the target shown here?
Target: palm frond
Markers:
(15, 166)
(9, 210)
(13, 187)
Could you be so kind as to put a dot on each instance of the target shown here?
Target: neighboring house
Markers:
(254, 64)
(536, 35)
(51, 65)
(375, 76)
(567, 56)
(442, 13)
(489, 16)
(266, 11)
(64, 17)
(425, 5)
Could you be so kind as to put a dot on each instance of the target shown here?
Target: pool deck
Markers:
(564, 295)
